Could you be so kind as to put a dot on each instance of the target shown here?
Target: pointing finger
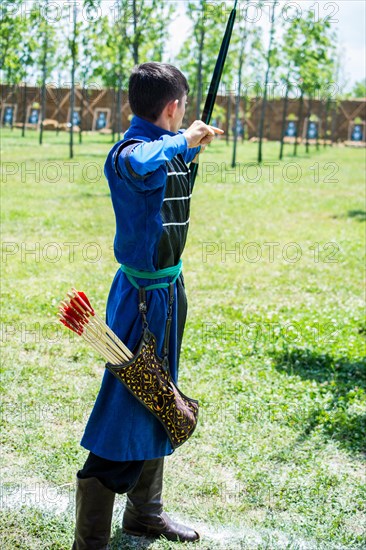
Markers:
(217, 130)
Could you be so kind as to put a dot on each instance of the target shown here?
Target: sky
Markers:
(347, 16)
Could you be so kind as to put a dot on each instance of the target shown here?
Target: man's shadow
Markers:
(359, 215)
(121, 541)
(339, 378)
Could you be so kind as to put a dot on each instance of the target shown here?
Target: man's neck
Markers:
(164, 123)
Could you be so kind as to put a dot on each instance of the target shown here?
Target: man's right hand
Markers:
(200, 133)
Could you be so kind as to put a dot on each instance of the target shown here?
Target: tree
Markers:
(115, 62)
(284, 114)
(18, 48)
(61, 66)
(163, 12)
(288, 74)
(248, 38)
(199, 33)
(75, 32)
(90, 36)
(309, 49)
(134, 35)
(44, 37)
(143, 26)
(73, 45)
(271, 60)
(13, 26)
(197, 55)
(338, 91)
(359, 89)
(28, 50)
(242, 45)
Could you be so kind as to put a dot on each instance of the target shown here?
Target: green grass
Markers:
(274, 346)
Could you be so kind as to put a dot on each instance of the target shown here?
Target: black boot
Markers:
(144, 514)
(94, 510)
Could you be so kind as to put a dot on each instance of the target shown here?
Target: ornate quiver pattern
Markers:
(148, 378)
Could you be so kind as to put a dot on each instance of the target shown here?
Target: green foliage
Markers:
(309, 55)
(115, 60)
(155, 42)
(136, 31)
(105, 47)
(90, 35)
(17, 45)
(134, 34)
(218, 113)
(359, 89)
(199, 52)
(45, 40)
(246, 56)
(144, 28)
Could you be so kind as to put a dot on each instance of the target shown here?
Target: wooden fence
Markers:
(95, 110)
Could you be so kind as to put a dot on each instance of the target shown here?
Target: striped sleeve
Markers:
(139, 160)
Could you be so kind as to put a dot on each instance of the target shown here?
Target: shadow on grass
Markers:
(88, 195)
(359, 215)
(120, 541)
(340, 383)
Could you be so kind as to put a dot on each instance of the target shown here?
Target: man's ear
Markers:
(172, 107)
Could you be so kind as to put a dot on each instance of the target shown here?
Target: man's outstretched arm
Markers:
(142, 159)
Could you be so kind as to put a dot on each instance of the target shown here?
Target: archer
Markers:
(151, 187)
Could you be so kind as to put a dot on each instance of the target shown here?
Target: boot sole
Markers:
(156, 535)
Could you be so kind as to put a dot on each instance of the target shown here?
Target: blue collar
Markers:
(141, 128)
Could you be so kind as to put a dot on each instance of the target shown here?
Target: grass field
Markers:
(274, 346)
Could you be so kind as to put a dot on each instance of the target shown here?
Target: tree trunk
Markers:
(235, 136)
(16, 99)
(333, 123)
(81, 114)
(298, 134)
(87, 103)
(228, 118)
(135, 44)
(284, 117)
(245, 117)
(237, 103)
(72, 91)
(321, 115)
(264, 102)
(58, 109)
(44, 76)
(119, 107)
(114, 115)
(326, 122)
(161, 31)
(24, 109)
(261, 122)
(308, 122)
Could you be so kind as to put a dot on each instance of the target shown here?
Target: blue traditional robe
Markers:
(150, 189)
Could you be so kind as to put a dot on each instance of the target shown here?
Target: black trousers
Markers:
(119, 477)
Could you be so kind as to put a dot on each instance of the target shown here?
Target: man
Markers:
(150, 187)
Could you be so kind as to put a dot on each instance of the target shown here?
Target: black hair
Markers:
(152, 86)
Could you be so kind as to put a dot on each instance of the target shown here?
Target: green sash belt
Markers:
(173, 271)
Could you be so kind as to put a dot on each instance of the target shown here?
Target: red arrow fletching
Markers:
(83, 300)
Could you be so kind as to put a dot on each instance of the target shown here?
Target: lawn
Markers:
(274, 345)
